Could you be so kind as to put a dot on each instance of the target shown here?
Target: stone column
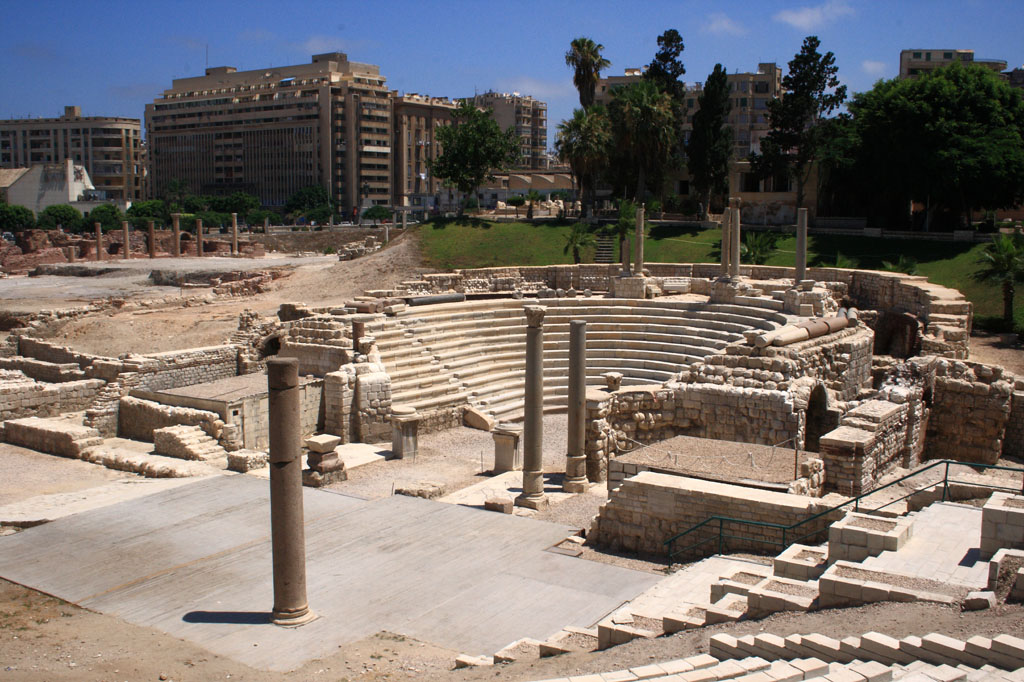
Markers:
(151, 228)
(287, 528)
(533, 496)
(234, 234)
(638, 257)
(726, 225)
(575, 480)
(405, 219)
(734, 240)
(801, 246)
(127, 252)
(99, 241)
(176, 234)
(358, 331)
(625, 258)
(404, 427)
(199, 236)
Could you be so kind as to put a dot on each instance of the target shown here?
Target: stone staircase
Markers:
(473, 352)
(183, 441)
(604, 249)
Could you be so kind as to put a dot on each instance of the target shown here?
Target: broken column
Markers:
(358, 331)
(99, 241)
(638, 258)
(405, 423)
(575, 480)
(801, 246)
(324, 466)
(176, 234)
(151, 228)
(734, 239)
(287, 528)
(506, 447)
(234, 234)
(533, 496)
(199, 236)
(127, 239)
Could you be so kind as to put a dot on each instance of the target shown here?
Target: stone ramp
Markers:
(195, 562)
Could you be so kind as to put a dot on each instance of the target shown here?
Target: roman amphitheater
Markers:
(588, 472)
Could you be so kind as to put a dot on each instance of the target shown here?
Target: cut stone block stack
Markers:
(186, 442)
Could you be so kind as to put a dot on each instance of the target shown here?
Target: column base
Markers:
(293, 619)
(312, 478)
(576, 485)
(536, 501)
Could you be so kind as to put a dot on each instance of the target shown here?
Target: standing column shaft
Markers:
(801, 245)
(287, 529)
(151, 228)
(638, 257)
(533, 420)
(199, 236)
(734, 240)
(127, 239)
(358, 330)
(234, 234)
(726, 241)
(575, 460)
(405, 219)
(176, 234)
(99, 241)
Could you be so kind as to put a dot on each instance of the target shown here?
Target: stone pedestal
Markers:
(405, 423)
(533, 496)
(506, 448)
(629, 287)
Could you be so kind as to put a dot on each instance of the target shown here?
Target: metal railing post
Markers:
(945, 483)
(721, 538)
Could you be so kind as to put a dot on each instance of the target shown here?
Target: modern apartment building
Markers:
(917, 61)
(416, 118)
(272, 132)
(750, 93)
(528, 116)
(108, 148)
(604, 87)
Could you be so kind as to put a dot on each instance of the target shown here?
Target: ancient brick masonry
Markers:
(871, 439)
(21, 396)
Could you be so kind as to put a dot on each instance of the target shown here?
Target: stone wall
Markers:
(871, 439)
(1013, 439)
(357, 403)
(649, 508)
(50, 372)
(970, 412)
(21, 396)
(138, 418)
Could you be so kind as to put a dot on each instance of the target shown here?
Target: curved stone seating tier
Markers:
(473, 352)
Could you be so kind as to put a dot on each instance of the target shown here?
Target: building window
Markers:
(927, 56)
(917, 55)
(947, 55)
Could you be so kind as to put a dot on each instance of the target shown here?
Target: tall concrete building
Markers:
(528, 116)
(107, 147)
(918, 60)
(749, 93)
(416, 120)
(272, 132)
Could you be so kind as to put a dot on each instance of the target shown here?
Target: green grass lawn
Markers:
(471, 243)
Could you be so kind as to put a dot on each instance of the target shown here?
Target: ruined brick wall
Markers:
(138, 418)
(357, 403)
(50, 372)
(22, 396)
(1013, 439)
(649, 508)
(871, 439)
(970, 412)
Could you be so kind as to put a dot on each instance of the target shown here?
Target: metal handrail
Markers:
(786, 530)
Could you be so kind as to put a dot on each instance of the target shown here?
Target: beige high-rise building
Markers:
(416, 120)
(272, 132)
(528, 116)
(749, 93)
(917, 61)
(107, 147)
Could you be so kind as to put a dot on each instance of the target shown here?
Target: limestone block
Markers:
(323, 443)
(977, 601)
(246, 460)
(499, 504)
(475, 419)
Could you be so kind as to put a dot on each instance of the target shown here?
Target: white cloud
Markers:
(543, 90)
(812, 18)
(320, 44)
(873, 68)
(721, 23)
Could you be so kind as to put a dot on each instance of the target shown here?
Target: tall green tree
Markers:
(811, 91)
(473, 147)
(107, 215)
(306, 199)
(667, 69)
(141, 212)
(1002, 263)
(516, 200)
(584, 142)
(952, 139)
(643, 132)
(584, 56)
(68, 217)
(532, 197)
(15, 218)
(710, 147)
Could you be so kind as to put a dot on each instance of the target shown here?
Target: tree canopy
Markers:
(306, 199)
(584, 56)
(377, 212)
(584, 142)
(473, 147)
(15, 218)
(710, 147)
(1002, 263)
(667, 70)
(68, 217)
(811, 92)
(643, 132)
(141, 212)
(107, 215)
(952, 139)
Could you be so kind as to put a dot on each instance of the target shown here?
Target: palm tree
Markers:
(1002, 263)
(757, 247)
(583, 142)
(584, 56)
(532, 197)
(516, 200)
(579, 237)
(643, 129)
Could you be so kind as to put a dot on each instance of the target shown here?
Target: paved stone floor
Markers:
(194, 561)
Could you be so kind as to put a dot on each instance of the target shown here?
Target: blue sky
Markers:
(113, 57)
